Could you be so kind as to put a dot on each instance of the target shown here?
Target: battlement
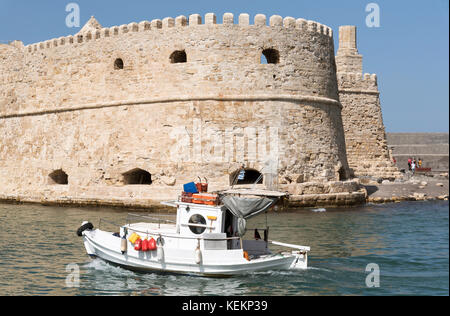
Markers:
(357, 81)
(194, 20)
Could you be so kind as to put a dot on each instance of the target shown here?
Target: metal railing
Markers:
(101, 220)
(157, 219)
(158, 233)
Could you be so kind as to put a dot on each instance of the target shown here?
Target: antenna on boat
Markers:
(236, 177)
(259, 178)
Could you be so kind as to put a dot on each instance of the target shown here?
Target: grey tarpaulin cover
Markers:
(244, 208)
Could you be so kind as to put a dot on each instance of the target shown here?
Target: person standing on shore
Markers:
(420, 163)
(409, 164)
(413, 166)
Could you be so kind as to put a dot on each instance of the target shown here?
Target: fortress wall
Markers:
(223, 59)
(365, 137)
(96, 147)
(367, 149)
(208, 116)
(11, 76)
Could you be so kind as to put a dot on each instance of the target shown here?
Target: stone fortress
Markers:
(126, 115)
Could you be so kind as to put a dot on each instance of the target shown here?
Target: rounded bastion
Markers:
(162, 102)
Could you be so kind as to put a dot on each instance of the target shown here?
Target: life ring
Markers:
(84, 226)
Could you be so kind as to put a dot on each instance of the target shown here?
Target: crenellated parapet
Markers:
(193, 20)
(217, 59)
(356, 82)
(362, 118)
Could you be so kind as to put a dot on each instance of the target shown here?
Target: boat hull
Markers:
(214, 263)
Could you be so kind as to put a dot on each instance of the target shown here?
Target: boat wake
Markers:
(103, 266)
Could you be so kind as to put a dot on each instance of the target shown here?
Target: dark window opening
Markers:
(118, 64)
(58, 177)
(178, 56)
(197, 220)
(137, 177)
(270, 56)
(246, 176)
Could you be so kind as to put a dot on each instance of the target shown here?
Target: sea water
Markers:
(391, 249)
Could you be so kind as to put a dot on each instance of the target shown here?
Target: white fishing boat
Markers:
(204, 239)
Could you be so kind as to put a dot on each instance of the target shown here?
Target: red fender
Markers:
(152, 245)
(138, 245)
(145, 245)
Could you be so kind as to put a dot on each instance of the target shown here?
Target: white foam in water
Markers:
(100, 265)
(319, 210)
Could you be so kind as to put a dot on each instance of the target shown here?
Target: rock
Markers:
(423, 183)
(385, 182)
(300, 179)
(439, 184)
(419, 196)
(170, 181)
(443, 197)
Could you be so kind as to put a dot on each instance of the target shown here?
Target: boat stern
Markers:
(301, 260)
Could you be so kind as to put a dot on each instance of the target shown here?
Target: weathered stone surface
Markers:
(178, 99)
(365, 137)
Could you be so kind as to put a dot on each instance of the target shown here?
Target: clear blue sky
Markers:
(409, 52)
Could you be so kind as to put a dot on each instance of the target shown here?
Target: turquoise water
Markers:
(408, 241)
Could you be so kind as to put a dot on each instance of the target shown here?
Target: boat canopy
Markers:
(242, 206)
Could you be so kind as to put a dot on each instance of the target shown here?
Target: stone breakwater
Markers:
(417, 188)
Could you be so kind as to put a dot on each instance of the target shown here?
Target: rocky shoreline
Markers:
(337, 194)
(408, 188)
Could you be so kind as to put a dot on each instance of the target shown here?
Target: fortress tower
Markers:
(125, 115)
(365, 137)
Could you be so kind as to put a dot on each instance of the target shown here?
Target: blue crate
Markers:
(190, 188)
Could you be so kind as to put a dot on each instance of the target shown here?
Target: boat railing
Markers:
(102, 220)
(158, 233)
(157, 219)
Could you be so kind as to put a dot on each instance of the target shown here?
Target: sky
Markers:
(409, 51)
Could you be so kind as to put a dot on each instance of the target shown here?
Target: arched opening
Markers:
(270, 56)
(246, 176)
(58, 177)
(137, 177)
(118, 64)
(178, 56)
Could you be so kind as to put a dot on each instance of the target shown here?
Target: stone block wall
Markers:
(107, 101)
(367, 150)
